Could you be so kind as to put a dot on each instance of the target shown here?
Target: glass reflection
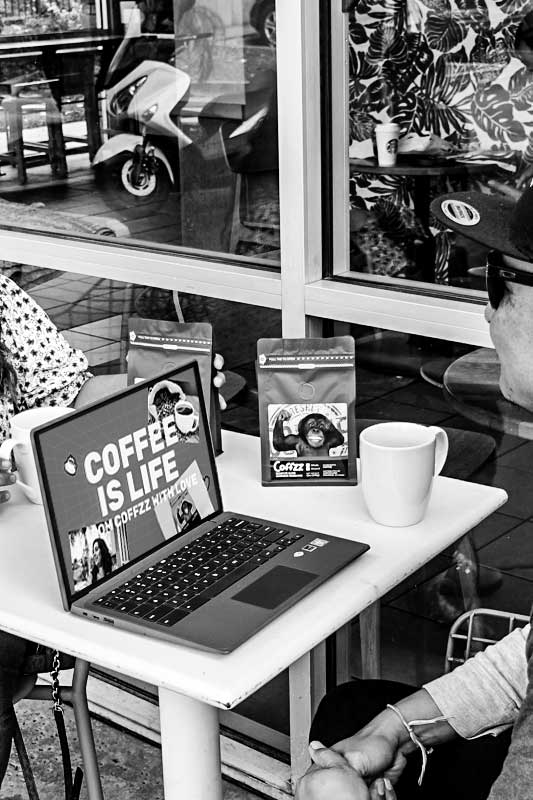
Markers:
(457, 79)
(155, 120)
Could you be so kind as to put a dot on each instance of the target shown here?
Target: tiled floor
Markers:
(414, 622)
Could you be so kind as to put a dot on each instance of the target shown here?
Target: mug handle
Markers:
(441, 447)
(6, 451)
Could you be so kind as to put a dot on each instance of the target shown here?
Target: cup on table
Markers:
(19, 445)
(387, 138)
(398, 462)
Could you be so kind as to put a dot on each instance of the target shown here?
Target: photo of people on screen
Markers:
(307, 430)
(184, 511)
(96, 551)
(168, 399)
(102, 563)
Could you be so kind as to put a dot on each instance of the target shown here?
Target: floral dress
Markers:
(49, 371)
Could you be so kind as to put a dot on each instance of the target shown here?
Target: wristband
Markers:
(424, 751)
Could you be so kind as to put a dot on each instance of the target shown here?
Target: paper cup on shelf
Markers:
(387, 138)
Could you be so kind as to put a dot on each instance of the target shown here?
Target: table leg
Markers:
(343, 637)
(56, 140)
(307, 686)
(190, 747)
(369, 622)
(15, 144)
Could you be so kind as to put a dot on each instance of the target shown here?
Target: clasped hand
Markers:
(362, 767)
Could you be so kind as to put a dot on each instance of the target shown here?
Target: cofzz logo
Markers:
(284, 467)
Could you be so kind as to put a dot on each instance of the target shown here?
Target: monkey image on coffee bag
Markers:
(306, 391)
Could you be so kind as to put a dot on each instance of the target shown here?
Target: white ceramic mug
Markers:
(186, 416)
(398, 462)
(387, 138)
(19, 445)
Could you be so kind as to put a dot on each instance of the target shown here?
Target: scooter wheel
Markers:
(115, 181)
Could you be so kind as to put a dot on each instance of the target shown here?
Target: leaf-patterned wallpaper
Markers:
(439, 67)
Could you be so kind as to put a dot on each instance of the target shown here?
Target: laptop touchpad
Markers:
(274, 588)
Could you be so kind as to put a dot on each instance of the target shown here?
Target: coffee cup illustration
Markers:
(186, 417)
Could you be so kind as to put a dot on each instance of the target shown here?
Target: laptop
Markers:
(139, 535)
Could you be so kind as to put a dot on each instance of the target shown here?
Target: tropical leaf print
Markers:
(401, 77)
(434, 106)
(386, 43)
(388, 11)
(521, 90)
(358, 34)
(489, 49)
(528, 152)
(361, 68)
(443, 32)
(361, 126)
(459, 70)
(471, 12)
(493, 112)
(513, 8)
(438, 6)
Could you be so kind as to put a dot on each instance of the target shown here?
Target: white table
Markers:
(194, 684)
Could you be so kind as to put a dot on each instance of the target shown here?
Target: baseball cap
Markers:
(492, 220)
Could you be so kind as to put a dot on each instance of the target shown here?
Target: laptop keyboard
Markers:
(178, 584)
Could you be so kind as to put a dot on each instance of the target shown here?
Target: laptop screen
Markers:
(126, 474)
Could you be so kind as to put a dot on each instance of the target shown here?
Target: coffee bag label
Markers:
(307, 410)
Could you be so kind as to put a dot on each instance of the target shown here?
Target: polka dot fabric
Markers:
(49, 371)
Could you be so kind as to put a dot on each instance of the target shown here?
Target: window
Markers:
(153, 122)
(456, 79)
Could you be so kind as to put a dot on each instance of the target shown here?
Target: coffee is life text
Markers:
(150, 448)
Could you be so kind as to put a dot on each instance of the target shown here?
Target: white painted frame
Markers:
(298, 289)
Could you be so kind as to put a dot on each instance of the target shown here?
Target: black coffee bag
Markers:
(306, 393)
(158, 345)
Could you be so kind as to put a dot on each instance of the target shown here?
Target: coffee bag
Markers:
(158, 345)
(306, 393)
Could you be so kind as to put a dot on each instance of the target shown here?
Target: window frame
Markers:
(434, 311)
(298, 288)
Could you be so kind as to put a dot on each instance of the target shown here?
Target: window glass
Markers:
(400, 377)
(456, 78)
(151, 120)
(92, 314)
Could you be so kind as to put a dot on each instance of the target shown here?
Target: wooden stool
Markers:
(51, 152)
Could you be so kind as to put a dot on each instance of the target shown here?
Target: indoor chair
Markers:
(76, 695)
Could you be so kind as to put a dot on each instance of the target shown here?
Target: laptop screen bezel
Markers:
(68, 596)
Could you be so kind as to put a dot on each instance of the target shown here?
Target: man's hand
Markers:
(219, 378)
(7, 477)
(332, 778)
(372, 754)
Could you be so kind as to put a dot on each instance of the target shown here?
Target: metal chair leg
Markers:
(77, 695)
(85, 731)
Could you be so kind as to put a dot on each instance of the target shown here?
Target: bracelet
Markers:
(424, 751)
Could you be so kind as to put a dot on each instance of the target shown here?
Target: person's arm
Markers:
(481, 696)
(498, 673)
(515, 778)
(380, 747)
(49, 371)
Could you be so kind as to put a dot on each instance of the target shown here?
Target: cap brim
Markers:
(492, 228)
